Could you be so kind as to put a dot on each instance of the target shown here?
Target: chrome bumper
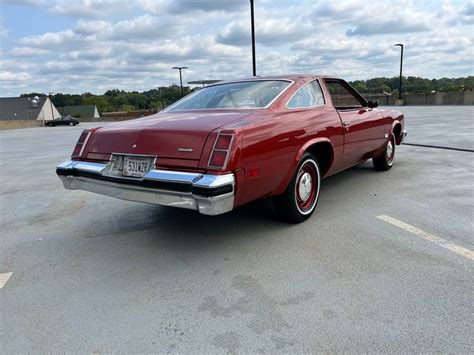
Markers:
(404, 134)
(208, 194)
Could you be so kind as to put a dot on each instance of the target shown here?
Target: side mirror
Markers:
(373, 103)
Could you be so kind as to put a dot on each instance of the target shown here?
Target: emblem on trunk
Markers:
(185, 150)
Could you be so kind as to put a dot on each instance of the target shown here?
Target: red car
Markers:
(235, 142)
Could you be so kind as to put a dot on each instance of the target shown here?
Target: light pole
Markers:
(162, 99)
(51, 104)
(401, 69)
(252, 18)
(180, 78)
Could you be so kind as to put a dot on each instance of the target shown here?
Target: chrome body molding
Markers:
(208, 194)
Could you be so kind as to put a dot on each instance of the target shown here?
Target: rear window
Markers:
(241, 95)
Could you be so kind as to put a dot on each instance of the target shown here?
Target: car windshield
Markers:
(246, 94)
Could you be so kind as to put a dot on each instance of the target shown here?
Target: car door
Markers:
(363, 126)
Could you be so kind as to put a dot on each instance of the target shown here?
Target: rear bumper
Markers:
(208, 194)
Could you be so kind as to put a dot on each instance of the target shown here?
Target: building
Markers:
(80, 111)
(27, 108)
(384, 98)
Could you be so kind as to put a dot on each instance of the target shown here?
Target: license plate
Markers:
(136, 166)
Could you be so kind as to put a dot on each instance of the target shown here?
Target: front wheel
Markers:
(299, 200)
(385, 160)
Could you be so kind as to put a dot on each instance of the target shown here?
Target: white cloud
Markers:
(88, 27)
(25, 2)
(143, 28)
(14, 76)
(62, 40)
(135, 48)
(90, 8)
(376, 27)
(455, 15)
(27, 52)
(269, 32)
(186, 6)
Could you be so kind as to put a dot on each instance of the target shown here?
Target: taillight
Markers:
(81, 143)
(221, 150)
(223, 141)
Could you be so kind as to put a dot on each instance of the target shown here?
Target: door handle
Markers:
(346, 125)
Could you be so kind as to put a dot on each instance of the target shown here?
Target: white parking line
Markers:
(4, 278)
(460, 250)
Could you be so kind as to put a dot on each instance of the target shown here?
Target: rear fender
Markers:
(284, 184)
(398, 138)
(398, 134)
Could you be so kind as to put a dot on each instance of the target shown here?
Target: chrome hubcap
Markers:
(305, 187)
(389, 150)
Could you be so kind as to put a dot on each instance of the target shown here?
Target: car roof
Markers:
(292, 77)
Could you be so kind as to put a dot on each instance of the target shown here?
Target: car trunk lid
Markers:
(174, 135)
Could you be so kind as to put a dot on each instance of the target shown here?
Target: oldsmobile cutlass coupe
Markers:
(235, 142)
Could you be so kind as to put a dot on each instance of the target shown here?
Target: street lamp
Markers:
(401, 68)
(180, 77)
(252, 18)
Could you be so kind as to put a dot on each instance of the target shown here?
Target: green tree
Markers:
(102, 104)
(127, 108)
(121, 100)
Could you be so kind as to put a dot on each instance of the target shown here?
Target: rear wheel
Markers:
(385, 160)
(299, 200)
(71, 123)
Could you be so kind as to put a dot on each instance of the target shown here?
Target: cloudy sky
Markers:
(74, 46)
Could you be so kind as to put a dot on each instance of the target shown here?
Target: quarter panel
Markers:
(271, 145)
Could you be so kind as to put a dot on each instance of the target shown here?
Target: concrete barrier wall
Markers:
(105, 119)
(437, 98)
(15, 124)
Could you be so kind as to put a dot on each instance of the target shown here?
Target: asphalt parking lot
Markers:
(385, 263)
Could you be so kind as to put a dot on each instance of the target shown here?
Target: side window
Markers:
(309, 95)
(342, 98)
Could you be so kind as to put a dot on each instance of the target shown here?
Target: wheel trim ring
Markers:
(306, 206)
